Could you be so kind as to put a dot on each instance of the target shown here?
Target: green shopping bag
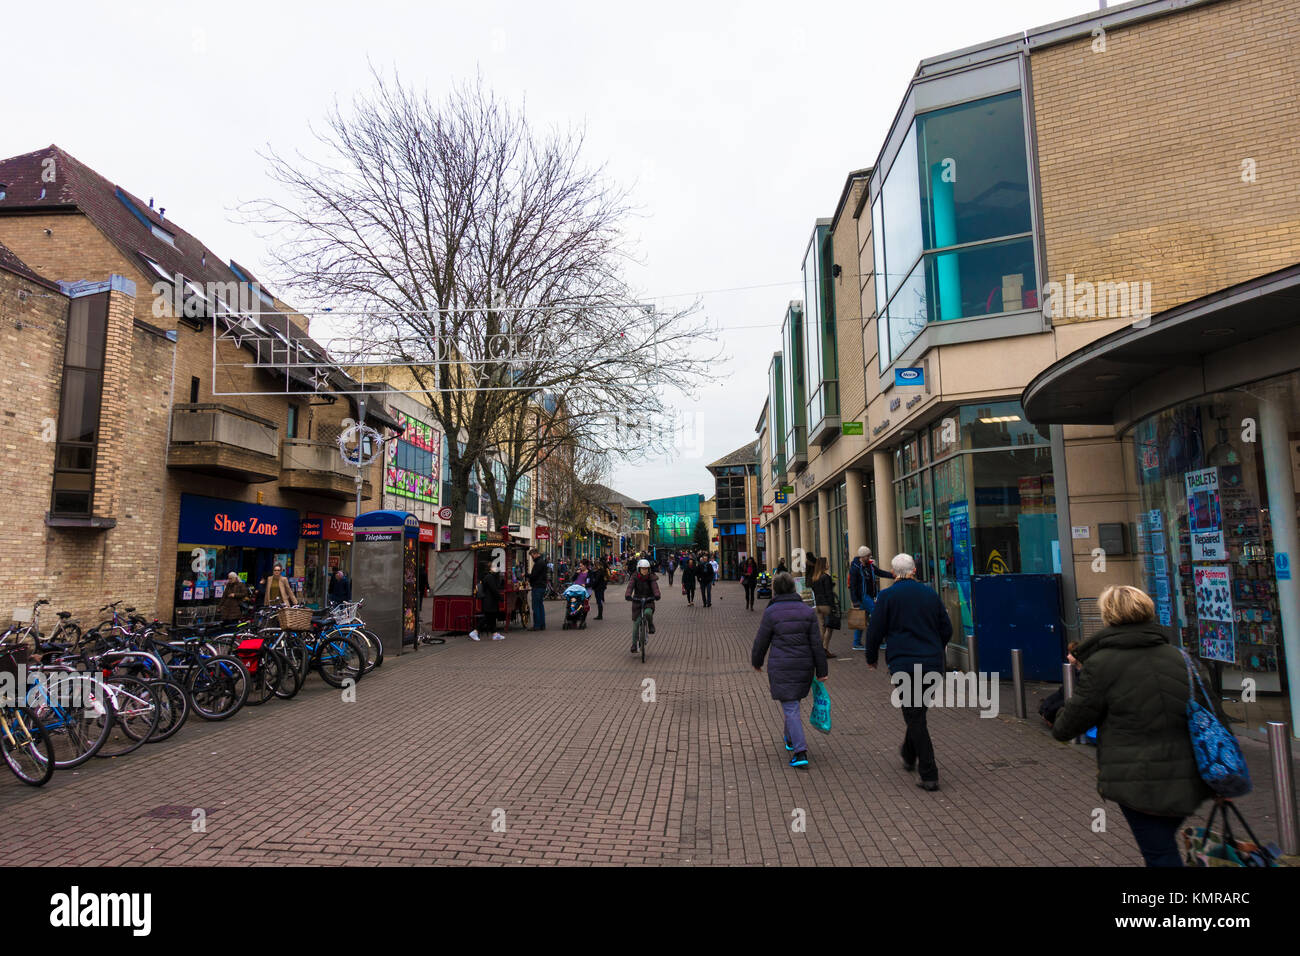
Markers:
(820, 717)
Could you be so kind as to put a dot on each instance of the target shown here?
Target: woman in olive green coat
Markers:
(1133, 689)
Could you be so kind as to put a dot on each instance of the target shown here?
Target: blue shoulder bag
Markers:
(1219, 759)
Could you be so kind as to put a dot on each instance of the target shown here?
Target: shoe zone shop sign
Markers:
(237, 523)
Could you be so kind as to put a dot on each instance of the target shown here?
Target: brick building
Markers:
(190, 422)
(1036, 330)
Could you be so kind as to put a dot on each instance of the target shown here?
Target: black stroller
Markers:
(764, 585)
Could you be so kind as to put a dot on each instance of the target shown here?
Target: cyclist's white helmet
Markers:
(643, 563)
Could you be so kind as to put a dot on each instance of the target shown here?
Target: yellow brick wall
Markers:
(79, 570)
(848, 309)
(1141, 150)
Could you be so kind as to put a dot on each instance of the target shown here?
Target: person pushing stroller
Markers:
(576, 606)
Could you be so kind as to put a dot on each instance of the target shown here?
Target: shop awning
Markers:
(1086, 386)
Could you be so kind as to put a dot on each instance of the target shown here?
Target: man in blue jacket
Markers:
(863, 586)
(912, 619)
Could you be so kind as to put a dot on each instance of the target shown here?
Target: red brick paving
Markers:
(551, 728)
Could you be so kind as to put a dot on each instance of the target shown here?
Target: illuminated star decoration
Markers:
(321, 376)
(235, 330)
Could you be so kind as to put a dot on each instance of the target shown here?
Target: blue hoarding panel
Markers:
(1019, 611)
(909, 376)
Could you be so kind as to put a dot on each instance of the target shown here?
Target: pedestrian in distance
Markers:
(597, 581)
(780, 567)
(864, 587)
(276, 588)
(672, 568)
(788, 638)
(490, 590)
(705, 576)
(340, 589)
(825, 599)
(911, 618)
(749, 580)
(688, 580)
(644, 585)
(537, 579)
(232, 597)
(1133, 687)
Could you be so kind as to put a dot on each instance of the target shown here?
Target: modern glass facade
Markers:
(796, 405)
(675, 520)
(1206, 532)
(776, 425)
(953, 224)
(821, 372)
(974, 494)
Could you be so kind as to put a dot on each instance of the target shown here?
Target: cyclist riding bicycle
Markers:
(642, 586)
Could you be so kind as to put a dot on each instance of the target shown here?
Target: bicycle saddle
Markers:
(65, 614)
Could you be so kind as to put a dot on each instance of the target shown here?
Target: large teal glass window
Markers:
(821, 351)
(956, 221)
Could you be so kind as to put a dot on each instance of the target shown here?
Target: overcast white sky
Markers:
(735, 124)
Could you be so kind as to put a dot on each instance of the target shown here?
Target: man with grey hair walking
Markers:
(863, 575)
(912, 620)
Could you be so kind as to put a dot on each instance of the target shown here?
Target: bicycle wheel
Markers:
(135, 715)
(370, 645)
(338, 658)
(71, 706)
(218, 688)
(290, 680)
(174, 708)
(265, 679)
(26, 746)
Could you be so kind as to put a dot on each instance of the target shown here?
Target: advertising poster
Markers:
(959, 520)
(1203, 499)
(1213, 594)
(1208, 546)
(1217, 642)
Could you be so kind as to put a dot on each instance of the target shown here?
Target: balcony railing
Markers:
(219, 440)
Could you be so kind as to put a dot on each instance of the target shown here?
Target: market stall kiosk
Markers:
(455, 577)
(384, 573)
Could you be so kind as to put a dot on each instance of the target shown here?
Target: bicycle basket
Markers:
(344, 615)
(295, 618)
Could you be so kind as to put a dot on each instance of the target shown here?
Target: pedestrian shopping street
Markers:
(547, 736)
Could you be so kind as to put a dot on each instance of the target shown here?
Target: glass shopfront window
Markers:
(985, 504)
(956, 222)
(1206, 531)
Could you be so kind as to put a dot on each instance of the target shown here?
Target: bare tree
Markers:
(453, 240)
(568, 494)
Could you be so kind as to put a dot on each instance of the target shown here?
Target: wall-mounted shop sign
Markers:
(327, 527)
(914, 401)
(880, 428)
(767, 509)
(782, 498)
(851, 428)
(895, 403)
(220, 521)
(787, 489)
(909, 376)
(807, 479)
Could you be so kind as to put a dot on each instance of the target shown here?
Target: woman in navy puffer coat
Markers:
(789, 628)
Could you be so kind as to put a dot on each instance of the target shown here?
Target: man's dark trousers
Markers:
(539, 608)
(916, 743)
(706, 593)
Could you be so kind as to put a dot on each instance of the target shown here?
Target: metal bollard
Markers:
(1018, 681)
(973, 654)
(1067, 681)
(1279, 751)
